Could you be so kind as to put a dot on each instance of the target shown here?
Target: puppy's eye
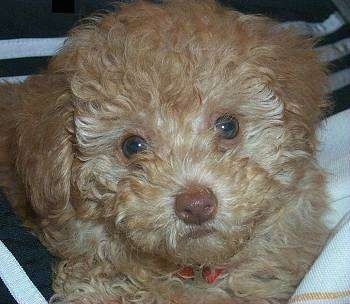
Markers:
(227, 126)
(133, 145)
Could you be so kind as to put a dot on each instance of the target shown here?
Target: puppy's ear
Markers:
(304, 76)
(43, 143)
(300, 82)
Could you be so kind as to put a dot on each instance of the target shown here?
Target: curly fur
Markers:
(166, 72)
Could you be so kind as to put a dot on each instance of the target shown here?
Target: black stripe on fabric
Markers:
(341, 100)
(342, 33)
(26, 248)
(35, 19)
(22, 66)
(339, 64)
(286, 10)
(32, 19)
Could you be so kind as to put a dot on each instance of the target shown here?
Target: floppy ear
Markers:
(302, 85)
(43, 141)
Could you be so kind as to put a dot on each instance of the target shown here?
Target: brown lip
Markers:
(196, 233)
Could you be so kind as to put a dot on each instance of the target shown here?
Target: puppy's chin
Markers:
(196, 246)
(203, 247)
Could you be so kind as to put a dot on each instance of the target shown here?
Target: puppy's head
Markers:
(192, 124)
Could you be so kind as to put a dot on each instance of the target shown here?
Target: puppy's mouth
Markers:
(198, 232)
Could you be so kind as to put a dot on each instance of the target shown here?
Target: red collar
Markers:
(208, 274)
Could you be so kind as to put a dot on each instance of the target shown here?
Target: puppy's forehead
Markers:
(162, 52)
(185, 115)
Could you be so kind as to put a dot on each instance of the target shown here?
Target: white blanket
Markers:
(328, 281)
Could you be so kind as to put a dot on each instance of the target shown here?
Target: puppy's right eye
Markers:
(133, 145)
(227, 126)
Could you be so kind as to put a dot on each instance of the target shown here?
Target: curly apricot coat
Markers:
(166, 73)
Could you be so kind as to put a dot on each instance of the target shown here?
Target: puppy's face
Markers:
(192, 123)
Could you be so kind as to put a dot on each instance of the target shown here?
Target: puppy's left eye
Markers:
(133, 145)
(227, 126)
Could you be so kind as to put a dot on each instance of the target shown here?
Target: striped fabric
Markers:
(20, 286)
(328, 280)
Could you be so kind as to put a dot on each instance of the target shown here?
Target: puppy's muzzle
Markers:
(196, 205)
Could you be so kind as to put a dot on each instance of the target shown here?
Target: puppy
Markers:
(167, 155)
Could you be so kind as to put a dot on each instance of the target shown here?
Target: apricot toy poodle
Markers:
(167, 155)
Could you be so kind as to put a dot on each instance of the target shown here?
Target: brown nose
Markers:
(196, 205)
